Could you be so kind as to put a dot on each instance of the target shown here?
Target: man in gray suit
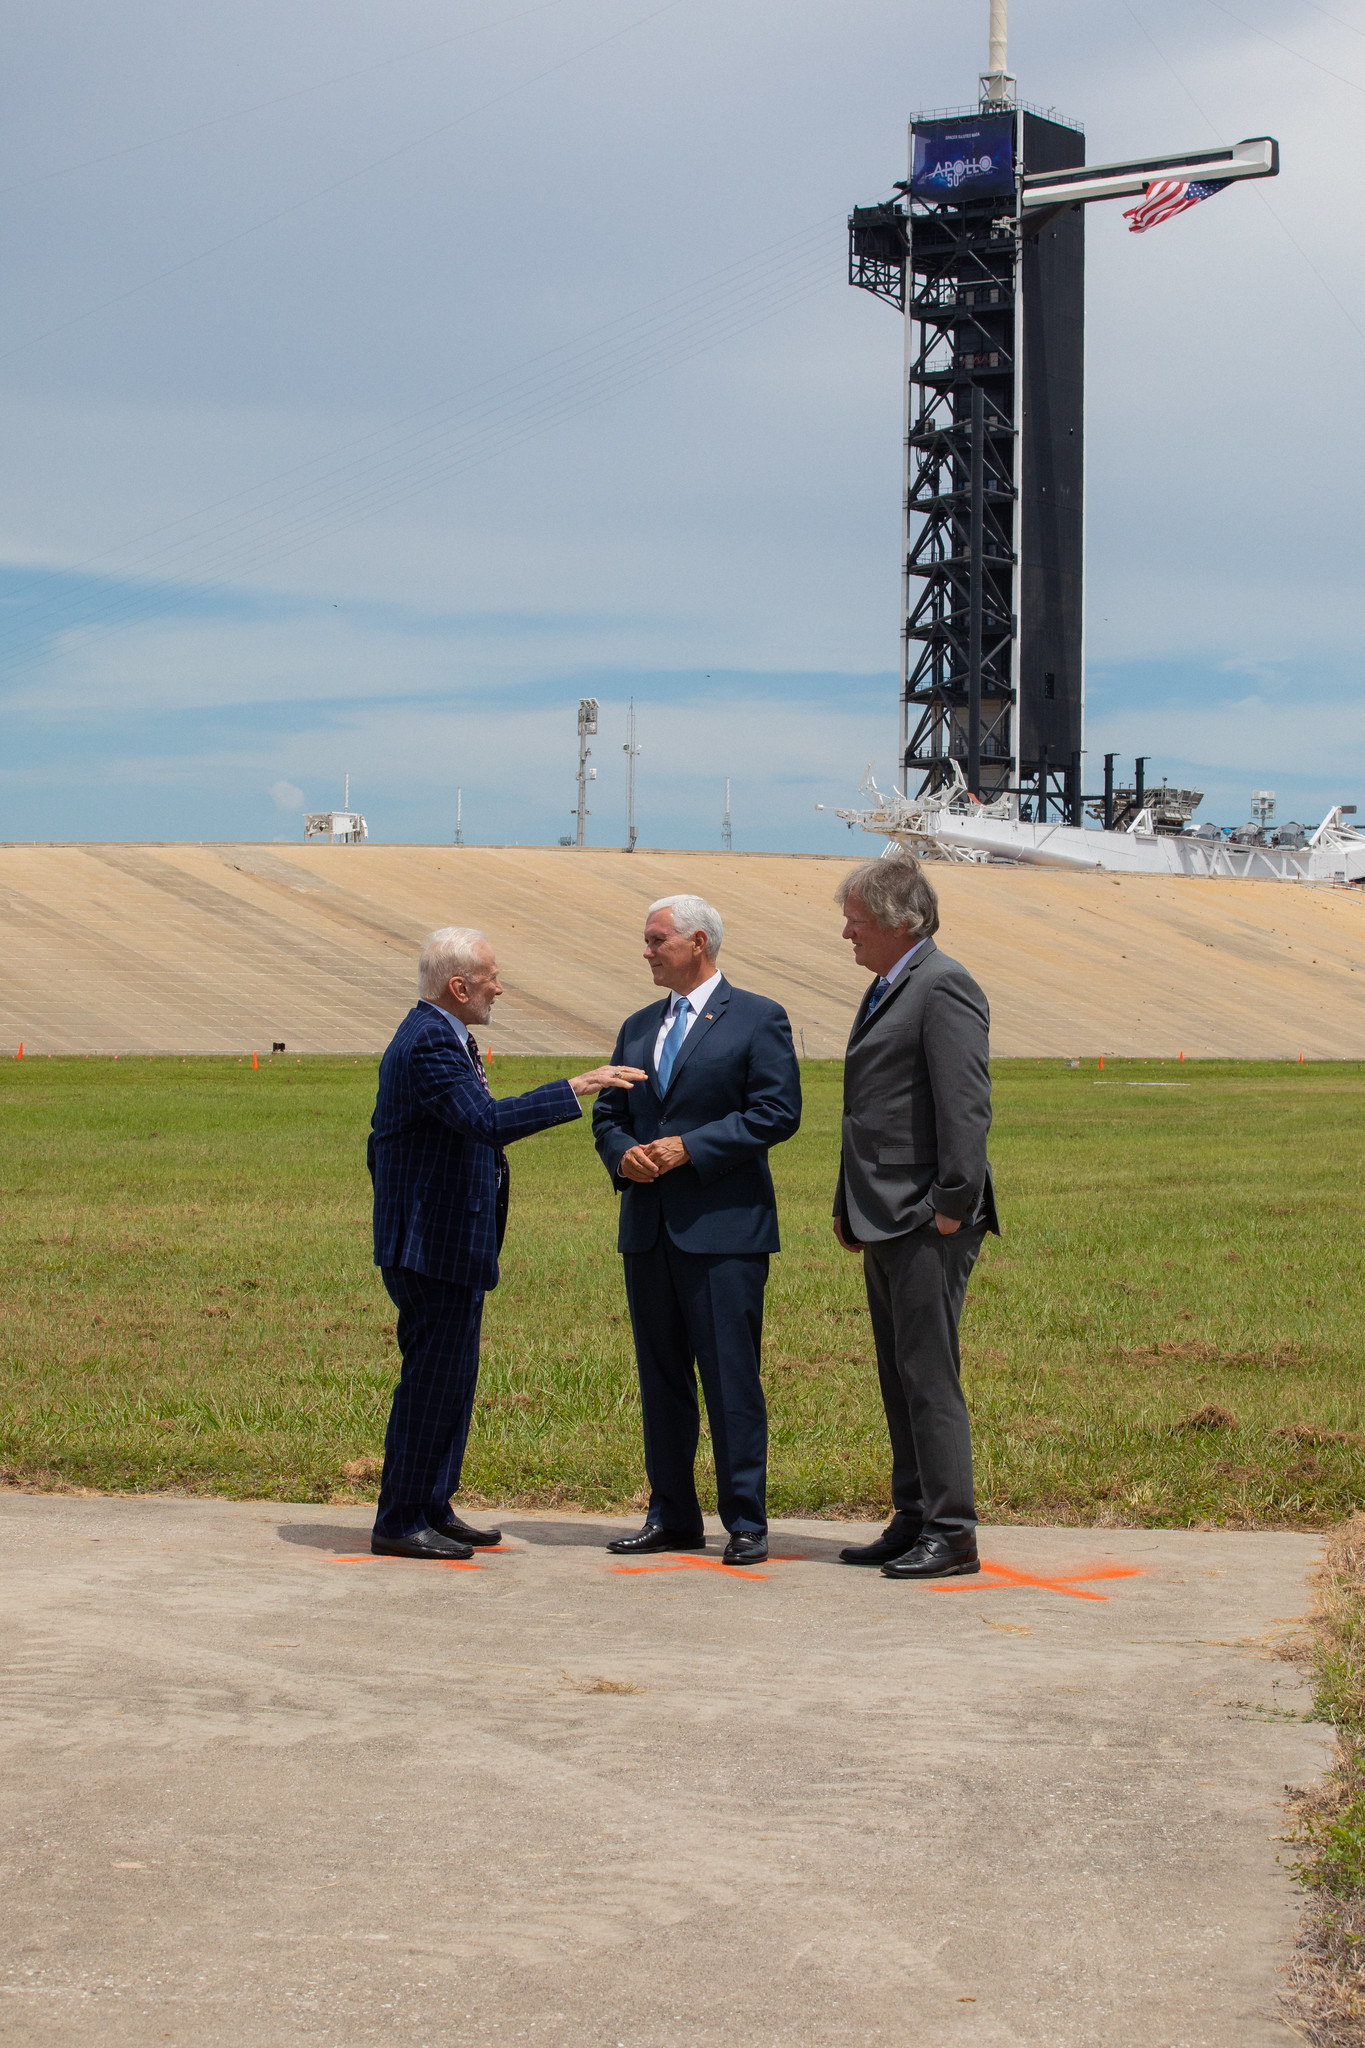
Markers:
(915, 1198)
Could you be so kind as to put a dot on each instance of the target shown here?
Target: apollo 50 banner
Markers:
(973, 157)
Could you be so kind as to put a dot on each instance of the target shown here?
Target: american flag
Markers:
(1169, 196)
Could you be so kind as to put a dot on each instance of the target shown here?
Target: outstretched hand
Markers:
(606, 1077)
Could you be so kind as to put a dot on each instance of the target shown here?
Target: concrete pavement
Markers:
(262, 1789)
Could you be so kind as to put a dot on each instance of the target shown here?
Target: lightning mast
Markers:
(726, 834)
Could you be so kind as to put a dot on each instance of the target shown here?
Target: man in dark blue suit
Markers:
(439, 1165)
(689, 1151)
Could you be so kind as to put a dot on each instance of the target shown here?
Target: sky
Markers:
(377, 381)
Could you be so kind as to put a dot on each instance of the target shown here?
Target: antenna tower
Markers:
(631, 752)
(459, 817)
(726, 835)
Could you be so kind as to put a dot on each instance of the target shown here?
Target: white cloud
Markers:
(224, 433)
(286, 796)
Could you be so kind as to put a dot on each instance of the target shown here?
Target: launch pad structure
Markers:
(983, 252)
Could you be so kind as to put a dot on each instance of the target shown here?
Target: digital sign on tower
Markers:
(972, 157)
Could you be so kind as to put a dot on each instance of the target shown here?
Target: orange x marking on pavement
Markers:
(451, 1564)
(1005, 1576)
(710, 1564)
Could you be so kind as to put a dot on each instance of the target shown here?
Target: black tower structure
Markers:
(993, 539)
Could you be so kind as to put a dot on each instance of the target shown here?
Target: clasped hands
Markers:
(647, 1162)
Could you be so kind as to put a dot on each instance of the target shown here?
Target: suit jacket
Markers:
(917, 1104)
(435, 1152)
(735, 1090)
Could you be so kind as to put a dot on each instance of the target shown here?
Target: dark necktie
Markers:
(879, 988)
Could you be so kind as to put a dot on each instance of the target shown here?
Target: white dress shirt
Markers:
(696, 1000)
(905, 959)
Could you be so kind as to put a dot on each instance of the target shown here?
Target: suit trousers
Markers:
(916, 1286)
(706, 1309)
(438, 1337)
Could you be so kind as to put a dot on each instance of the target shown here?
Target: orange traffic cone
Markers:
(1101, 1062)
(20, 1054)
(254, 1062)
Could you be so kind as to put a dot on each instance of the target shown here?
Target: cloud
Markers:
(380, 484)
(286, 796)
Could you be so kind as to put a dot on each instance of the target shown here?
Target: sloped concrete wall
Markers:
(187, 948)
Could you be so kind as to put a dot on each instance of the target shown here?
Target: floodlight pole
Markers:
(587, 729)
(631, 752)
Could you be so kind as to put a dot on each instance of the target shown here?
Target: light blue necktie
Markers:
(672, 1045)
(879, 989)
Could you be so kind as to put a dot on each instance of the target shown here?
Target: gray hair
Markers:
(693, 914)
(454, 949)
(896, 892)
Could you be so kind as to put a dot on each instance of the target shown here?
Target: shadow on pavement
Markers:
(814, 1549)
(562, 1535)
(575, 1535)
(569, 1534)
(324, 1536)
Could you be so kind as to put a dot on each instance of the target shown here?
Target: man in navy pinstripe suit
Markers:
(438, 1161)
(689, 1153)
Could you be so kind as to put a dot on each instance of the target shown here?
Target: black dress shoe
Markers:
(428, 1543)
(936, 1557)
(460, 1532)
(896, 1538)
(746, 1546)
(652, 1537)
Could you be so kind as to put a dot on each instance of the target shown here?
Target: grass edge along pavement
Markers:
(1167, 1335)
(1325, 1997)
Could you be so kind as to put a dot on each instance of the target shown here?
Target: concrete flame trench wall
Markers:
(186, 948)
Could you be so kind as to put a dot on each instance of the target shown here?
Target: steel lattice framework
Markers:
(992, 544)
(959, 539)
(983, 253)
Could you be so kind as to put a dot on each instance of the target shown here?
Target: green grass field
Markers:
(1169, 1331)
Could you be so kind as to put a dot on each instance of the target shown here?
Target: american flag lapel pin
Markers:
(710, 1016)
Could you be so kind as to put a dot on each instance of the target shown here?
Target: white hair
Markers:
(693, 914)
(454, 949)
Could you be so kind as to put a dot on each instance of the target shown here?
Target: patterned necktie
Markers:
(879, 989)
(672, 1045)
(472, 1047)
